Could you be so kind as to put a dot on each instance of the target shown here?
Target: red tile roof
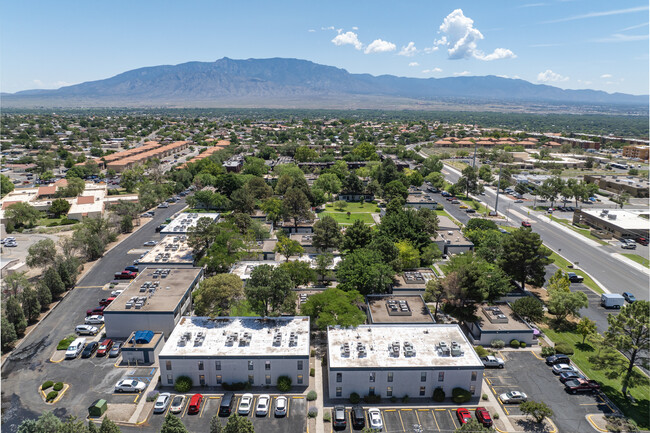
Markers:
(47, 190)
(86, 199)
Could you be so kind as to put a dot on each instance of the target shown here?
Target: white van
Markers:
(75, 348)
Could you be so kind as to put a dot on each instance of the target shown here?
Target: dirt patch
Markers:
(120, 412)
(525, 424)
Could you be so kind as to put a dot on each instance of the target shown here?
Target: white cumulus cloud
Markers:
(414, 64)
(348, 38)
(606, 76)
(380, 46)
(311, 30)
(408, 50)
(430, 50)
(327, 28)
(38, 82)
(549, 76)
(355, 28)
(460, 38)
(432, 71)
(462, 74)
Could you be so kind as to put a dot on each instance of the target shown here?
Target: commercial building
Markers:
(155, 300)
(244, 268)
(398, 309)
(622, 224)
(640, 152)
(400, 360)
(635, 186)
(499, 323)
(421, 199)
(142, 347)
(412, 281)
(450, 239)
(129, 158)
(170, 252)
(185, 220)
(237, 349)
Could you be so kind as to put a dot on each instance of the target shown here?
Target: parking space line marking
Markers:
(452, 419)
(488, 381)
(288, 406)
(536, 356)
(390, 410)
(203, 408)
(440, 409)
(417, 417)
(401, 420)
(434, 418)
(589, 404)
(187, 404)
(423, 410)
(383, 421)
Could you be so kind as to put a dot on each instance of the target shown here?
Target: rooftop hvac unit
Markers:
(611, 216)
(443, 348)
(455, 349)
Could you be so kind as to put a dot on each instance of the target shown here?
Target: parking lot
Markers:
(293, 422)
(527, 373)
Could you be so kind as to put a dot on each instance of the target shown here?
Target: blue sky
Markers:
(566, 43)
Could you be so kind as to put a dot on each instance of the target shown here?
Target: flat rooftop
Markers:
(444, 224)
(398, 309)
(171, 249)
(243, 269)
(499, 318)
(414, 278)
(619, 217)
(165, 291)
(376, 342)
(130, 344)
(184, 221)
(239, 336)
(421, 198)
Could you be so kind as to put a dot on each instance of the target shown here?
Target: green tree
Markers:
(323, 263)
(15, 315)
(21, 215)
(228, 248)
(16, 282)
(288, 247)
(563, 303)
(215, 425)
(8, 333)
(92, 235)
(436, 179)
(340, 205)
(255, 166)
(469, 180)
(238, 424)
(529, 307)
(524, 257)
(409, 256)
(53, 281)
(201, 236)
(258, 188)
(216, 294)
(130, 178)
(44, 295)
(6, 186)
(434, 292)
(108, 426)
(242, 201)
(273, 209)
(296, 205)
(358, 235)
(538, 410)
(305, 154)
(365, 271)
(173, 424)
(485, 173)
(59, 207)
(586, 327)
(431, 165)
(329, 183)
(327, 234)
(395, 189)
(472, 426)
(48, 422)
(31, 304)
(269, 290)
(300, 273)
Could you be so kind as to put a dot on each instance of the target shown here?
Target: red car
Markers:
(525, 224)
(195, 403)
(99, 311)
(106, 302)
(463, 415)
(483, 416)
(642, 241)
(125, 275)
(105, 347)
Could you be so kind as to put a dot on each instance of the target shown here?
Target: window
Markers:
(474, 374)
(268, 379)
(168, 365)
(217, 365)
(202, 380)
(339, 377)
(300, 379)
(219, 379)
(170, 379)
(441, 376)
(200, 365)
(389, 391)
(371, 390)
(250, 365)
(472, 389)
(423, 376)
(251, 379)
(390, 377)
(372, 377)
(423, 390)
(339, 391)
(299, 365)
(267, 365)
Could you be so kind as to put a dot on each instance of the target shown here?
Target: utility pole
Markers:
(475, 147)
(496, 203)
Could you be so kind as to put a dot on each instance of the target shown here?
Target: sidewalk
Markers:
(318, 382)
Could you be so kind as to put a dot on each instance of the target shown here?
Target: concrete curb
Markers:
(630, 262)
(598, 283)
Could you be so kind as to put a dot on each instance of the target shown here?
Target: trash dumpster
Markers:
(98, 408)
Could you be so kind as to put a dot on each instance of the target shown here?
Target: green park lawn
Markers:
(639, 259)
(354, 207)
(343, 219)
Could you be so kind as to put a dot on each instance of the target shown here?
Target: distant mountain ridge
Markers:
(282, 82)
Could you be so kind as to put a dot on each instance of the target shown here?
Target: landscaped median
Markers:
(584, 232)
(639, 259)
(564, 264)
(53, 392)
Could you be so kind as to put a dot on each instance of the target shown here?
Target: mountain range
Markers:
(295, 83)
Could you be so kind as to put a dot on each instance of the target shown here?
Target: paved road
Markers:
(26, 366)
(598, 261)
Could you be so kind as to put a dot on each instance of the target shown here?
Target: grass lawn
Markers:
(639, 411)
(201, 211)
(457, 164)
(443, 213)
(645, 262)
(584, 232)
(50, 222)
(65, 343)
(342, 217)
(564, 265)
(481, 208)
(355, 207)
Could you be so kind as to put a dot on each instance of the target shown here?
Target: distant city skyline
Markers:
(578, 44)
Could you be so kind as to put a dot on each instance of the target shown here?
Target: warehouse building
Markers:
(395, 360)
(499, 323)
(622, 224)
(185, 220)
(237, 349)
(170, 252)
(155, 300)
(635, 186)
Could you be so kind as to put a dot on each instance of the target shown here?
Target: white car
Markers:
(86, 330)
(563, 368)
(374, 419)
(280, 406)
(163, 205)
(94, 320)
(115, 293)
(162, 402)
(130, 385)
(513, 397)
(262, 408)
(177, 404)
(150, 243)
(245, 404)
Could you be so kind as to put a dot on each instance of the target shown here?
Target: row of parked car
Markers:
(9, 241)
(226, 407)
(357, 414)
(574, 381)
(86, 350)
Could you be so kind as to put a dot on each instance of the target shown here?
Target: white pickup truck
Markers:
(493, 361)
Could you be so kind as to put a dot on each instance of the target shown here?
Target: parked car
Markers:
(131, 269)
(575, 278)
(358, 418)
(106, 301)
(195, 403)
(86, 330)
(125, 275)
(562, 368)
(374, 419)
(642, 241)
(75, 348)
(99, 311)
(262, 408)
(558, 359)
(94, 320)
(245, 404)
(162, 402)
(227, 404)
(483, 416)
(575, 386)
(628, 245)
(570, 375)
(150, 243)
(177, 404)
(338, 417)
(163, 205)
(513, 397)
(160, 227)
(519, 200)
(130, 385)
(525, 224)
(463, 415)
(629, 297)
(89, 349)
(116, 350)
(281, 406)
(493, 361)
(105, 347)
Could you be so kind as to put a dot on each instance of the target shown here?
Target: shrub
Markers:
(312, 372)
(522, 344)
(393, 399)
(183, 384)
(405, 399)
(312, 395)
(460, 395)
(152, 395)
(235, 386)
(313, 411)
(484, 397)
(327, 417)
(514, 344)
(67, 221)
(564, 348)
(47, 384)
(51, 396)
(65, 343)
(548, 351)
(495, 415)
(438, 394)
(375, 398)
(481, 351)
(58, 386)
(323, 361)
(355, 398)
(312, 353)
(498, 344)
(284, 384)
